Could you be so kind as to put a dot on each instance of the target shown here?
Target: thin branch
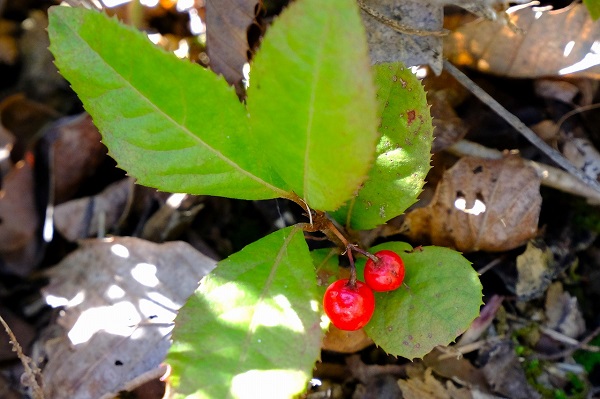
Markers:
(551, 176)
(32, 372)
(520, 126)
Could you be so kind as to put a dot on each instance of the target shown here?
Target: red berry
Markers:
(349, 308)
(387, 274)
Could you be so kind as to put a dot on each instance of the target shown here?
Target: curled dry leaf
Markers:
(77, 152)
(19, 220)
(563, 42)
(120, 298)
(563, 313)
(480, 205)
(227, 24)
(86, 217)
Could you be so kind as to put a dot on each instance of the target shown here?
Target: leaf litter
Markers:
(523, 348)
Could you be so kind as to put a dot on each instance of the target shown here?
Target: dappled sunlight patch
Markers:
(118, 312)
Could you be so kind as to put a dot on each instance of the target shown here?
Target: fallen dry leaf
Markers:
(227, 24)
(551, 43)
(563, 313)
(19, 220)
(426, 386)
(480, 205)
(388, 45)
(76, 153)
(504, 372)
(86, 217)
(120, 297)
(340, 341)
(534, 271)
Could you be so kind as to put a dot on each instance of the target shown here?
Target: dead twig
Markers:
(32, 372)
(583, 344)
(515, 122)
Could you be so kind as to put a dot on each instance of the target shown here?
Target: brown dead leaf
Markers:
(340, 341)
(227, 24)
(76, 153)
(9, 52)
(480, 205)
(449, 127)
(551, 43)
(504, 372)
(120, 297)
(24, 119)
(457, 368)
(426, 387)
(86, 217)
(19, 220)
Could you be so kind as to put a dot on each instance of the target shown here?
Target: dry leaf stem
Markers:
(520, 126)
(551, 176)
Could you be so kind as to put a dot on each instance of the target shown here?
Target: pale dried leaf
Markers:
(86, 217)
(563, 42)
(388, 45)
(425, 387)
(227, 23)
(480, 205)
(563, 313)
(534, 270)
(120, 299)
(582, 153)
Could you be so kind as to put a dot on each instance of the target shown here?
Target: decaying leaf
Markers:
(563, 42)
(19, 220)
(563, 313)
(449, 127)
(337, 340)
(86, 217)
(535, 273)
(77, 152)
(227, 23)
(388, 45)
(504, 372)
(120, 298)
(480, 205)
(426, 386)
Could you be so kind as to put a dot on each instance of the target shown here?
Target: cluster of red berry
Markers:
(350, 306)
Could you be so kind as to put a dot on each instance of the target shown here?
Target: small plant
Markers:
(386, 272)
(347, 142)
(349, 305)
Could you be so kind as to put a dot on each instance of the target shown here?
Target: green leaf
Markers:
(439, 300)
(252, 327)
(403, 152)
(312, 100)
(170, 123)
(593, 7)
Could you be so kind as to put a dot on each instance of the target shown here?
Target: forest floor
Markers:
(538, 332)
